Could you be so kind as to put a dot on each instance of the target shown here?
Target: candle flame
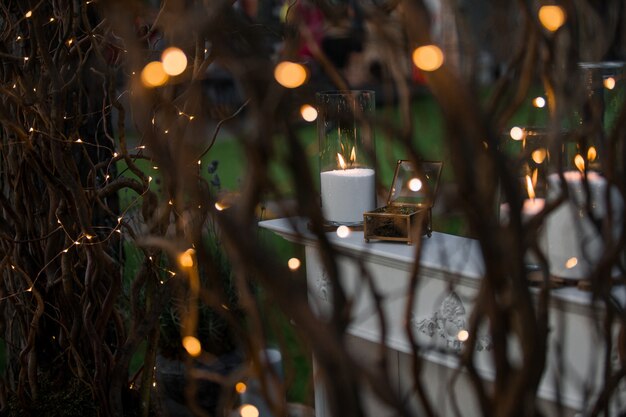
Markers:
(579, 161)
(342, 162)
(592, 154)
(353, 155)
(529, 187)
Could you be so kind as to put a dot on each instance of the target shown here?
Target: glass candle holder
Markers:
(346, 155)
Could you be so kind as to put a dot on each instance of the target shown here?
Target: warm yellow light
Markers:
(517, 133)
(539, 155)
(294, 263)
(462, 335)
(174, 61)
(539, 102)
(571, 262)
(220, 205)
(529, 187)
(308, 112)
(428, 57)
(415, 184)
(341, 161)
(290, 74)
(153, 75)
(552, 17)
(343, 231)
(248, 410)
(28, 14)
(192, 345)
(185, 259)
(609, 83)
(579, 161)
(240, 387)
(592, 154)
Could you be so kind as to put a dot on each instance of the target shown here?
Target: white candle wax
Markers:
(347, 194)
(574, 243)
(530, 208)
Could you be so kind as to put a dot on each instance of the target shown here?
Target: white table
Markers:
(451, 268)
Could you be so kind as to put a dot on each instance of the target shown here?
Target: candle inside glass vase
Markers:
(346, 139)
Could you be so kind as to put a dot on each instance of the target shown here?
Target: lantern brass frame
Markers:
(400, 221)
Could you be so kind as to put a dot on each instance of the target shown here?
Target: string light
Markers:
(241, 387)
(462, 335)
(28, 14)
(539, 102)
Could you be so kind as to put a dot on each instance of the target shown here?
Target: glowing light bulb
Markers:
(428, 58)
(192, 345)
(290, 74)
(153, 75)
(294, 264)
(174, 61)
(28, 14)
(517, 133)
(552, 17)
(308, 112)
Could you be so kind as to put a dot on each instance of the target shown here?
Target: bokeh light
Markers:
(571, 262)
(343, 231)
(192, 345)
(462, 335)
(153, 75)
(517, 133)
(290, 74)
(539, 102)
(174, 61)
(539, 155)
(428, 57)
(248, 410)
(609, 83)
(308, 112)
(241, 387)
(552, 17)
(415, 184)
(294, 264)
(185, 259)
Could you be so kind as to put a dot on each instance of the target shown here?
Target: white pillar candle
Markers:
(347, 194)
(530, 208)
(574, 242)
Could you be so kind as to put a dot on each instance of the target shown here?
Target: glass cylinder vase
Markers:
(346, 155)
